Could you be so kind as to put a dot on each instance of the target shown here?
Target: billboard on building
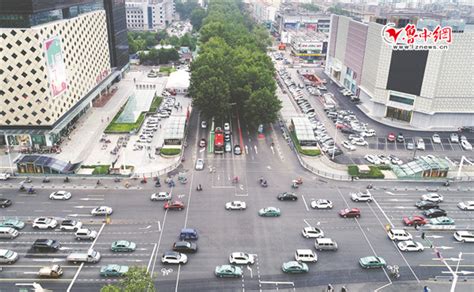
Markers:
(56, 66)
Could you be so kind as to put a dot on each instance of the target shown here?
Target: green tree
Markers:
(110, 288)
(137, 279)
(196, 18)
(185, 7)
(261, 108)
(310, 7)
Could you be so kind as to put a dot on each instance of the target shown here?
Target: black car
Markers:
(46, 245)
(5, 203)
(287, 197)
(185, 247)
(433, 213)
(424, 205)
(400, 138)
(347, 130)
(227, 137)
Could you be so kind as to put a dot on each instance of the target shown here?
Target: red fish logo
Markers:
(390, 34)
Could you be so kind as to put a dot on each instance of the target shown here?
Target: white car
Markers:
(161, 196)
(359, 142)
(312, 232)
(321, 204)
(45, 223)
(235, 205)
(464, 236)
(436, 139)
(466, 205)
(101, 210)
(200, 164)
(227, 127)
(466, 145)
(432, 197)
(454, 138)
(362, 197)
(70, 225)
(399, 235)
(372, 159)
(172, 257)
(60, 195)
(86, 234)
(384, 159)
(4, 176)
(204, 124)
(241, 258)
(369, 133)
(410, 245)
(348, 145)
(395, 160)
(420, 144)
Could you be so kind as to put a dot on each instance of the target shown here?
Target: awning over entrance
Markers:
(44, 164)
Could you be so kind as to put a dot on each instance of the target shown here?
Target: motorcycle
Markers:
(143, 181)
(199, 188)
(22, 188)
(447, 183)
(46, 180)
(117, 179)
(31, 191)
(294, 186)
(66, 179)
(394, 271)
(370, 186)
(264, 183)
(298, 181)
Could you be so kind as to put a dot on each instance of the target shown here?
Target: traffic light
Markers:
(422, 235)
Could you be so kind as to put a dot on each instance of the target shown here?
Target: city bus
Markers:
(218, 141)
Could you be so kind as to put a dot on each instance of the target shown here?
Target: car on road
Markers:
(410, 245)
(204, 124)
(454, 138)
(466, 145)
(414, 220)
(372, 262)
(5, 203)
(359, 142)
(350, 213)
(123, 246)
(443, 220)
(235, 205)
(85, 233)
(399, 235)
(432, 197)
(294, 267)
(161, 196)
(391, 137)
(420, 144)
(372, 159)
(362, 197)
(321, 204)
(45, 245)
(45, 223)
(70, 225)
(425, 205)
(60, 195)
(8, 256)
(286, 196)
(12, 223)
(173, 257)
(174, 205)
(113, 270)
(102, 210)
(227, 127)
(466, 205)
(464, 236)
(241, 258)
(346, 144)
(185, 247)
(237, 150)
(433, 213)
(312, 232)
(400, 138)
(436, 139)
(200, 164)
(228, 147)
(269, 212)
(228, 271)
(202, 143)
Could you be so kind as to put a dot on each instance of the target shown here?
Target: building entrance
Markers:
(398, 114)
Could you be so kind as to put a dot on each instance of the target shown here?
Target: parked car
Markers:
(410, 146)
(346, 144)
(436, 139)
(400, 138)
(420, 144)
(372, 159)
(466, 145)
(454, 138)
(359, 142)
(391, 137)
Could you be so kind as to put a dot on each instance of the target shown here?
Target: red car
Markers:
(391, 137)
(350, 213)
(174, 205)
(414, 220)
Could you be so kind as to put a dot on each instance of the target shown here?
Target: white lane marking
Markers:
(142, 228)
(91, 199)
(151, 257)
(309, 225)
(75, 277)
(159, 226)
(383, 212)
(98, 234)
(48, 260)
(177, 278)
(304, 201)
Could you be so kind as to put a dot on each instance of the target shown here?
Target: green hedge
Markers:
(374, 172)
(385, 167)
(170, 151)
(155, 103)
(118, 128)
(98, 169)
(307, 152)
(167, 69)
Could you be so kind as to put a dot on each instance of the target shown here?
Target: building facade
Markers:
(55, 60)
(309, 46)
(149, 14)
(423, 89)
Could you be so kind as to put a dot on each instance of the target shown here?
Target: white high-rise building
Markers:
(149, 14)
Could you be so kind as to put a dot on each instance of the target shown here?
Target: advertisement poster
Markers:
(56, 66)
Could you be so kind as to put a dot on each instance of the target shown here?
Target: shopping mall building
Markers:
(57, 58)
(422, 89)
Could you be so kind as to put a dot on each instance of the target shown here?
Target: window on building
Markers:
(400, 99)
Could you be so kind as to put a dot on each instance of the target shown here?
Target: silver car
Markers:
(8, 256)
(200, 164)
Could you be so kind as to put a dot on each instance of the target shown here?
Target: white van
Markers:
(399, 235)
(464, 236)
(306, 255)
(4, 176)
(8, 232)
(325, 244)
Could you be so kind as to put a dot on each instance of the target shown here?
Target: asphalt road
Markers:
(273, 240)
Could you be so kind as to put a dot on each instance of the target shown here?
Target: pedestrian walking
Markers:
(343, 289)
(330, 288)
(426, 289)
